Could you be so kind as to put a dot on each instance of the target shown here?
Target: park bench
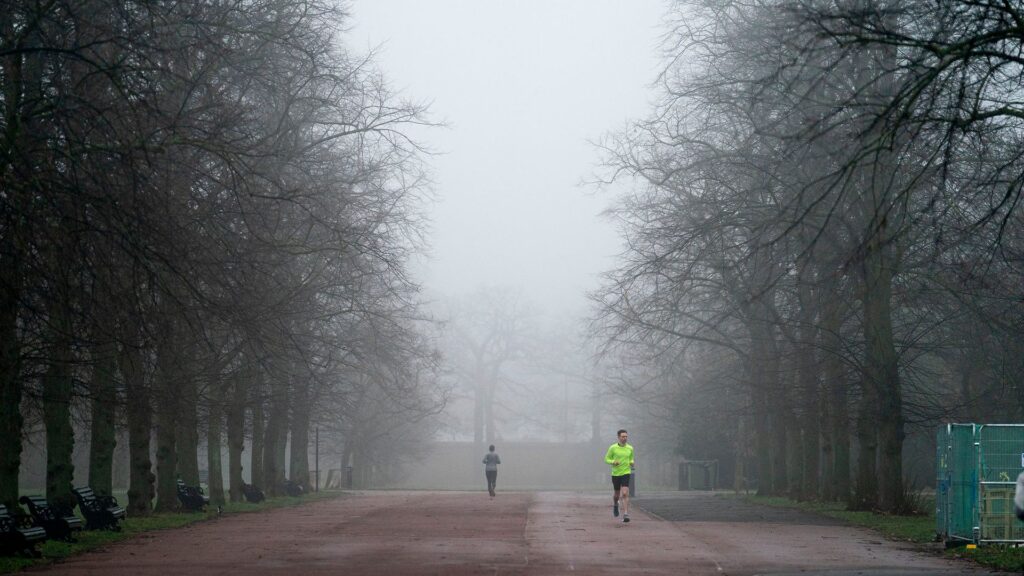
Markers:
(16, 539)
(101, 512)
(59, 523)
(293, 488)
(252, 493)
(192, 498)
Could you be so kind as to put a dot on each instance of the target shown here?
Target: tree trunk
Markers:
(866, 489)
(759, 403)
(281, 457)
(236, 439)
(187, 440)
(881, 365)
(167, 421)
(739, 478)
(214, 423)
(140, 429)
(838, 484)
(360, 470)
(166, 457)
(276, 436)
(270, 466)
(357, 468)
(971, 379)
(103, 430)
(777, 448)
(828, 456)
(808, 385)
(22, 81)
(11, 421)
(258, 433)
(778, 414)
(841, 436)
(57, 392)
(300, 436)
(794, 461)
(784, 412)
(884, 215)
(346, 464)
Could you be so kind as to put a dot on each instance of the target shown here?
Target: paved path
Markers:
(515, 534)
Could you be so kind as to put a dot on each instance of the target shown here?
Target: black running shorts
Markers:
(620, 481)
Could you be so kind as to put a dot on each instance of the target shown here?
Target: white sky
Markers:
(523, 85)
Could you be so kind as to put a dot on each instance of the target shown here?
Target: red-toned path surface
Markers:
(461, 533)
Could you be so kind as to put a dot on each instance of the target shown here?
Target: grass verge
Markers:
(919, 529)
(90, 540)
(997, 556)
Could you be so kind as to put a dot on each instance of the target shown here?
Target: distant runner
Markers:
(491, 461)
(620, 457)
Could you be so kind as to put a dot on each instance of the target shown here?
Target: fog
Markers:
(524, 89)
(778, 240)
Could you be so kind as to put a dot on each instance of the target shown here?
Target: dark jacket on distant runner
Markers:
(491, 461)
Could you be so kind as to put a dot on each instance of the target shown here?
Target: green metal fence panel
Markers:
(1000, 460)
(976, 468)
(942, 482)
(1002, 452)
(963, 482)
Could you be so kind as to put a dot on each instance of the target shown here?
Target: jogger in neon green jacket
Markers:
(620, 457)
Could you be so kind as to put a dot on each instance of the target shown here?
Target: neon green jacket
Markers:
(623, 455)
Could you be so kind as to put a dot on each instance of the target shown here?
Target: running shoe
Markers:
(615, 509)
(625, 517)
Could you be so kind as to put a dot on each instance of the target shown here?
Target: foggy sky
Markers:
(523, 86)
